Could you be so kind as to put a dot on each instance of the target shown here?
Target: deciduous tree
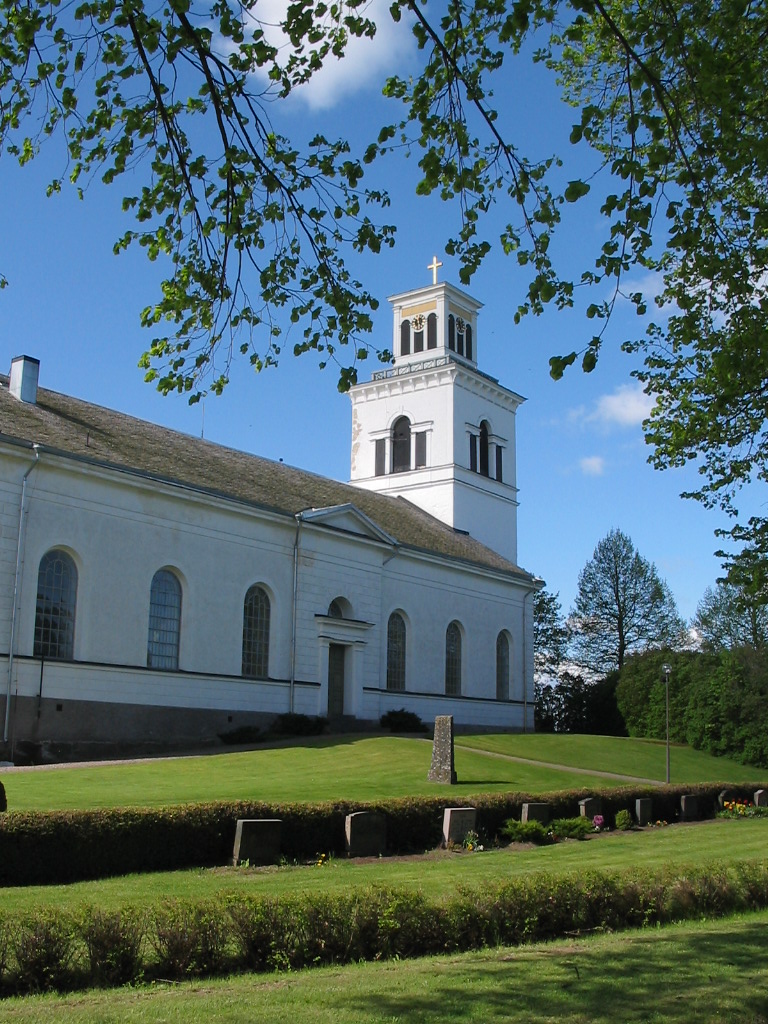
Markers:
(550, 636)
(729, 616)
(622, 606)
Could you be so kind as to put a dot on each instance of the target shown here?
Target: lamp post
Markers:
(666, 669)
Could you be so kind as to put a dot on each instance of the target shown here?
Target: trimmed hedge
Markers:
(3, 799)
(182, 939)
(58, 847)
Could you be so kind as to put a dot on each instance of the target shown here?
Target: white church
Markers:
(158, 590)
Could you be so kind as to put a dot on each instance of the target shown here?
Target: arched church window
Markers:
(256, 616)
(418, 333)
(401, 445)
(396, 652)
(460, 326)
(164, 621)
(452, 333)
(502, 666)
(468, 340)
(453, 660)
(55, 608)
(473, 452)
(484, 470)
(335, 611)
(405, 338)
(432, 331)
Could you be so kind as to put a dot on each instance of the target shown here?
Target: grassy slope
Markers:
(645, 758)
(357, 769)
(694, 972)
(434, 874)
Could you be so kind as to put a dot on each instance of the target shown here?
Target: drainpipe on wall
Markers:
(299, 518)
(16, 582)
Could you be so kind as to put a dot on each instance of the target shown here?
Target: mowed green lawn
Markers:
(436, 874)
(363, 768)
(703, 971)
(632, 757)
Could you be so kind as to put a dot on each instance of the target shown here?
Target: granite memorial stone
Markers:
(442, 769)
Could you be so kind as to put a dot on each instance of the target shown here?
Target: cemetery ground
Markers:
(712, 970)
(366, 768)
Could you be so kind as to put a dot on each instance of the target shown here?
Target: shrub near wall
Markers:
(59, 847)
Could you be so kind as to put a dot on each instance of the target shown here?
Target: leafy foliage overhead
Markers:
(669, 101)
(173, 98)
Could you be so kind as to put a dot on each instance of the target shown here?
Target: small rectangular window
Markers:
(421, 449)
(499, 467)
(473, 452)
(418, 341)
(380, 456)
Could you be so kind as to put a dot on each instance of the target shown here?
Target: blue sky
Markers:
(582, 461)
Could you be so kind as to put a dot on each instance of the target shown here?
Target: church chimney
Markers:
(23, 380)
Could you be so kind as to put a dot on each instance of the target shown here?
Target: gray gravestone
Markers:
(761, 798)
(457, 821)
(257, 841)
(644, 810)
(366, 834)
(724, 797)
(689, 807)
(590, 806)
(442, 769)
(537, 812)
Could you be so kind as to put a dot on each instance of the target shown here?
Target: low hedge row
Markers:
(51, 950)
(58, 847)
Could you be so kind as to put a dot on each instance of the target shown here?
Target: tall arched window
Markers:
(418, 333)
(401, 445)
(405, 338)
(396, 652)
(468, 340)
(484, 468)
(502, 667)
(452, 332)
(432, 331)
(164, 621)
(256, 611)
(55, 609)
(453, 660)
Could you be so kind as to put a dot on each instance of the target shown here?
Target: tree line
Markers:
(600, 669)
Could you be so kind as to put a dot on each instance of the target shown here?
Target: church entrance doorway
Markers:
(336, 653)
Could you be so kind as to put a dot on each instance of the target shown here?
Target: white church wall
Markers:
(431, 596)
(10, 496)
(120, 531)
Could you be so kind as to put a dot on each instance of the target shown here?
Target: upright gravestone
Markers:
(442, 769)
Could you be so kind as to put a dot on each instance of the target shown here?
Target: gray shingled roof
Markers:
(76, 428)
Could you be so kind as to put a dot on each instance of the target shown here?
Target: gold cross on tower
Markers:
(433, 267)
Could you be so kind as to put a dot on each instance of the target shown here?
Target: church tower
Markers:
(434, 428)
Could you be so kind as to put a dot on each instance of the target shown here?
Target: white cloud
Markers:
(592, 465)
(365, 64)
(628, 406)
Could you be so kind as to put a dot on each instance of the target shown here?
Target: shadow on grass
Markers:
(717, 972)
